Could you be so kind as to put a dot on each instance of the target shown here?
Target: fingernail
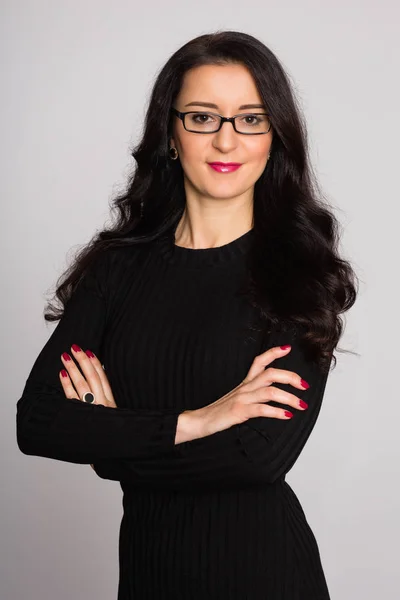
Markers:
(75, 348)
(303, 404)
(304, 383)
(288, 414)
(66, 356)
(285, 347)
(64, 373)
(90, 353)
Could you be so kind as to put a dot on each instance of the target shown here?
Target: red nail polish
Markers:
(285, 347)
(64, 373)
(288, 414)
(90, 353)
(76, 348)
(303, 404)
(304, 384)
(66, 356)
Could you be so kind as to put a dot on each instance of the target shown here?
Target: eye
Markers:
(254, 119)
(200, 118)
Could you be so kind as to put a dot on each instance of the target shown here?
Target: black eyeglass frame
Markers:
(182, 115)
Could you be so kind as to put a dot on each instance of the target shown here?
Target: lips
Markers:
(224, 167)
(229, 164)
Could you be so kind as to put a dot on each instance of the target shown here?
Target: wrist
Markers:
(188, 426)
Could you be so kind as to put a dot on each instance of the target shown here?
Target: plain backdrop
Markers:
(76, 76)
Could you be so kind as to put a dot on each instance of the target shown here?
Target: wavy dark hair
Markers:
(295, 272)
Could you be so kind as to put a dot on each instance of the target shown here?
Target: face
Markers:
(227, 87)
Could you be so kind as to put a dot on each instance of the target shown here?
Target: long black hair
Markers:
(295, 272)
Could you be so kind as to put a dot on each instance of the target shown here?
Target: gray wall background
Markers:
(75, 81)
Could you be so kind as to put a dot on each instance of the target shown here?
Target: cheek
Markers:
(193, 159)
(194, 150)
(258, 153)
(260, 159)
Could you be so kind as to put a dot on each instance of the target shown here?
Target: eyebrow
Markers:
(211, 105)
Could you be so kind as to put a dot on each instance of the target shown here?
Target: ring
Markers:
(88, 397)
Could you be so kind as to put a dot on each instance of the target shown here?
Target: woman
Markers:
(208, 310)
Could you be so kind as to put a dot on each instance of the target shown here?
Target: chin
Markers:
(225, 194)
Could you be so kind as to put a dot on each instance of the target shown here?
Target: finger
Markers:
(90, 372)
(67, 386)
(85, 382)
(101, 373)
(264, 359)
(274, 394)
(265, 410)
(273, 375)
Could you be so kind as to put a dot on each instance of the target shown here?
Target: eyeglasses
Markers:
(208, 122)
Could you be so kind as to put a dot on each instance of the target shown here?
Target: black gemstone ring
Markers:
(88, 397)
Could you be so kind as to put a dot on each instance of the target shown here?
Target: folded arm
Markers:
(257, 451)
(50, 425)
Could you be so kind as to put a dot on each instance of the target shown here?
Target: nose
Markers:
(226, 138)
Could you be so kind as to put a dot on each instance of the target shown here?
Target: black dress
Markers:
(208, 519)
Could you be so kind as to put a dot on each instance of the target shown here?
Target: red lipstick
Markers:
(224, 167)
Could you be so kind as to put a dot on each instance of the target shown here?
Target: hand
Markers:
(93, 380)
(247, 400)
(97, 381)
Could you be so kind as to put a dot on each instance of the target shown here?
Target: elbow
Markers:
(27, 442)
(24, 442)
(277, 472)
(25, 445)
(37, 437)
(273, 477)
(43, 447)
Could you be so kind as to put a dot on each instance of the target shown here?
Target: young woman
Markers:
(206, 319)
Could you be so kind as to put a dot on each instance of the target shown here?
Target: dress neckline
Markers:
(199, 257)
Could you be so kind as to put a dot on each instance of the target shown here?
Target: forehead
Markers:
(227, 86)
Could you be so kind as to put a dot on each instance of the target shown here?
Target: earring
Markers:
(175, 153)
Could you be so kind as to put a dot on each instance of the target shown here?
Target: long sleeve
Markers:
(257, 451)
(50, 425)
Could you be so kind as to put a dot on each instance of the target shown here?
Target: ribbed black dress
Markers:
(208, 519)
